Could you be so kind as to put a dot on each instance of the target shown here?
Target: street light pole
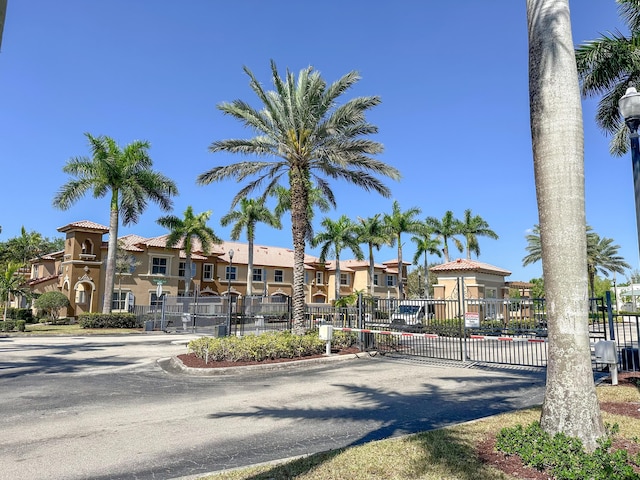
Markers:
(629, 106)
(229, 290)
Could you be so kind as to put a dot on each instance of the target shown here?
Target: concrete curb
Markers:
(175, 366)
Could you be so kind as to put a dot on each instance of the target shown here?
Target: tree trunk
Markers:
(187, 275)
(299, 203)
(250, 267)
(109, 272)
(372, 287)
(570, 403)
(336, 289)
(400, 283)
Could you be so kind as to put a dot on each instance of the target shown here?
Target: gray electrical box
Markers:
(606, 352)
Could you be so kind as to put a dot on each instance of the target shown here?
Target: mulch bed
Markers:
(512, 465)
(190, 360)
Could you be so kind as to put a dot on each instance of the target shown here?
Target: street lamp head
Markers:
(231, 254)
(629, 106)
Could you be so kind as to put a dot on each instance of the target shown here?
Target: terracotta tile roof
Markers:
(464, 265)
(394, 262)
(84, 225)
(48, 278)
(263, 256)
(161, 242)
(48, 256)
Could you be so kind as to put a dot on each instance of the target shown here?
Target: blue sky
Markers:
(454, 117)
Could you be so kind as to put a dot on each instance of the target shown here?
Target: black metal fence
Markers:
(506, 331)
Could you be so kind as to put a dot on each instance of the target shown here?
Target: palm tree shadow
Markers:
(383, 413)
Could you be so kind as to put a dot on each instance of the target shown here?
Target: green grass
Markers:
(46, 329)
(447, 454)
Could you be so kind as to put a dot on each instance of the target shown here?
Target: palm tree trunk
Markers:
(400, 282)
(445, 250)
(570, 403)
(187, 275)
(371, 271)
(299, 203)
(336, 291)
(250, 267)
(109, 272)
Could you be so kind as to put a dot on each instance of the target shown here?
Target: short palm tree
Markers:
(12, 283)
(337, 236)
(606, 67)
(251, 212)
(304, 137)
(398, 222)
(446, 229)
(184, 232)
(374, 233)
(425, 244)
(472, 227)
(125, 174)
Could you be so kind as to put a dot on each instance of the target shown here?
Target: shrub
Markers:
(564, 456)
(20, 314)
(21, 325)
(7, 326)
(51, 302)
(108, 320)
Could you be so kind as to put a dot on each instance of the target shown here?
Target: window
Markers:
(119, 300)
(156, 301)
(230, 273)
(391, 280)
(207, 271)
(257, 274)
(278, 276)
(344, 279)
(319, 278)
(182, 268)
(158, 266)
(81, 295)
(375, 279)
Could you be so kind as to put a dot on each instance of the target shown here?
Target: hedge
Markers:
(108, 320)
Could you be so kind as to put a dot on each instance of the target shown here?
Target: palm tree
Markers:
(127, 175)
(397, 223)
(570, 404)
(186, 231)
(534, 247)
(308, 136)
(445, 230)
(602, 257)
(374, 233)
(251, 212)
(126, 263)
(11, 284)
(425, 244)
(472, 227)
(337, 236)
(606, 67)
(316, 199)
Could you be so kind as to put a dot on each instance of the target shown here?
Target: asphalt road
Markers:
(103, 408)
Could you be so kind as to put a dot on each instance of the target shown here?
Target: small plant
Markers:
(51, 303)
(564, 457)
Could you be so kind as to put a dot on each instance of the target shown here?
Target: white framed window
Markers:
(319, 278)
(230, 273)
(257, 275)
(119, 300)
(81, 295)
(375, 279)
(207, 271)
(278, 276)
(490, 292)
(159, 265)
(391, 280)
(345, 279)
(182, 269)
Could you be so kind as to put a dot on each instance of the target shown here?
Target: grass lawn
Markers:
(447, 454)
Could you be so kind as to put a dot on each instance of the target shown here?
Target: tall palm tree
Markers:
(185, 231)
(316, 199)
(337, 236)
(12, 283)
(126, 175)
(472, 227)
(570, 403)
(397, 223)
(305, 135)
(602, 257)
(251, 212)
(425, 244)
(374, 233)
(606, 67)
(446, 229)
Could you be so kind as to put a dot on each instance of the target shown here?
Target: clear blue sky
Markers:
(454, 117)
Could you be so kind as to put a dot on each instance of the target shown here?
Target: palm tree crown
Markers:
(472, 227)
(606, 67)
(425, 244)
(445, 230)
(308, 138)
(127, 175)
(251, 212)
(397, 223)
(185, 231)
(337, 236)
(374, 233)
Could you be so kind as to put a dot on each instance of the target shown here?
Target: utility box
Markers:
(606, 352)
(326, 332)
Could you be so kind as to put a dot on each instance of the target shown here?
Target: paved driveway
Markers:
(101, 407)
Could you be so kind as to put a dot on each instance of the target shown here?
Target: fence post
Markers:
(461, 311)
(612, 333)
